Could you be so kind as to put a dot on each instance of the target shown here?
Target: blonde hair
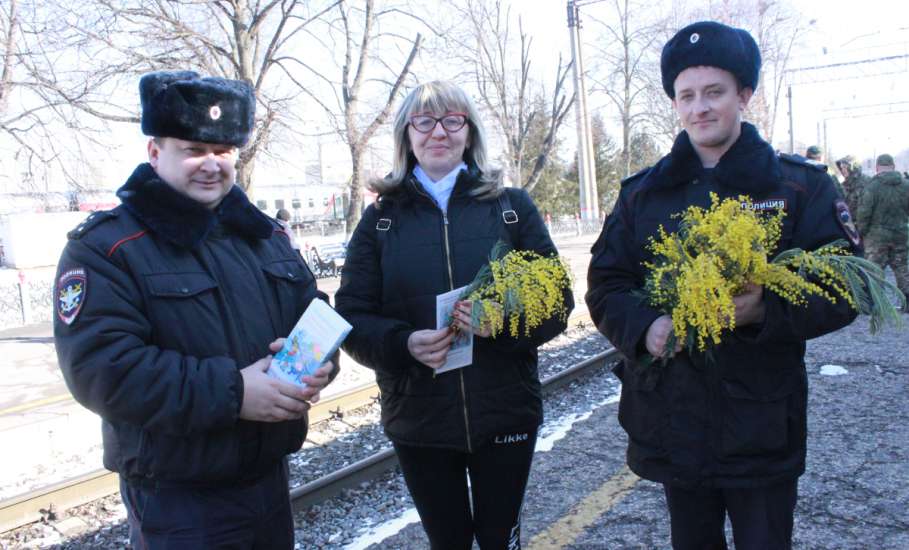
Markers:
(440, 97)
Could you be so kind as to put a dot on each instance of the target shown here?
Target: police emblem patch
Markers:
(70, 294)
(844, 218)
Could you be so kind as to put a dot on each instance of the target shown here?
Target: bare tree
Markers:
(510, 94)
(116, 40)
(41, 136)
(777, 27)
(358, 99)
(625, 61)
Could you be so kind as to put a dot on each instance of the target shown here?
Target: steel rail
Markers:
(34, 505)
(326, 487)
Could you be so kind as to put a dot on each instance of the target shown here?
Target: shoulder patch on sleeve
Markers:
(635, 177)
(93, 220)
(844, 218)
(69, 294)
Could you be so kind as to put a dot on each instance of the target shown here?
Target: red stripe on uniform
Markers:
(123, 240)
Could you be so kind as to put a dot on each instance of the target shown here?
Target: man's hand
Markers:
(658, 334)
(430, 347)
(314, 383)
(318, 381)
(749, 306)
(267, 399)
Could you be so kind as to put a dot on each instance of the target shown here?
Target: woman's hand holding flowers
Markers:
(461, 317)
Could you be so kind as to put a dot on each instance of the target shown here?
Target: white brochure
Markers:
(461, 352)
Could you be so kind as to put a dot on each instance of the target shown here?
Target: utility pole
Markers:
(791, 129)
(589, 199)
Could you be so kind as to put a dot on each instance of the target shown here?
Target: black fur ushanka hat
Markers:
(711, 44)
(183, 105)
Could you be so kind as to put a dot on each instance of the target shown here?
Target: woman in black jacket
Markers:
(437, 217)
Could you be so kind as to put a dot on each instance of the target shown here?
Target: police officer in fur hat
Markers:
(167, 310)
(725, 435)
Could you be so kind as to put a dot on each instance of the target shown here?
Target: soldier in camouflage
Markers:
(883, 216)
(853, 184)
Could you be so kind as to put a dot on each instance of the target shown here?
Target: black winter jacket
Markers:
(388, 290)
(741, 420)
(176, 300)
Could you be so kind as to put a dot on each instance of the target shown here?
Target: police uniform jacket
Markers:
(403, 253)
(161, 302)
(740, 419)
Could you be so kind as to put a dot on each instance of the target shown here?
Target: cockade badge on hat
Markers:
(214, 112)
(694, 38)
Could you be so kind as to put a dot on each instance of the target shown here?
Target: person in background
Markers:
(726, 436)
(883, 215)
(853, 184)
(815, 154)
(167, 310)
(437, 217)
(283, 217)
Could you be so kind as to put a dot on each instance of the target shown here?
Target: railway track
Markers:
(33, 505)
(40, 503)
(332, 484)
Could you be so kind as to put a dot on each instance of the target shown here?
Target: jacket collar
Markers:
(749, 165)
(183, 221)
(890, 178)
(465, 180)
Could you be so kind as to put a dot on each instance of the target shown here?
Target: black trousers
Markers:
(437, 480)
(252, 516)
(761, 517)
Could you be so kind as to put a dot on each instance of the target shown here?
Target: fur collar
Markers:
(749, 165)
(183, 221)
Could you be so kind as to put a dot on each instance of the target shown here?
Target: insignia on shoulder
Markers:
(70, 294)
(844, 218)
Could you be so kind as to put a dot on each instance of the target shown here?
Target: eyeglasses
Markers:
(451, 122)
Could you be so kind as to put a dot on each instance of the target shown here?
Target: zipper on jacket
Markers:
(451, 287)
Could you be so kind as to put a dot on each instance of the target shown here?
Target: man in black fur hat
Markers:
(726, 435)
(167, 308)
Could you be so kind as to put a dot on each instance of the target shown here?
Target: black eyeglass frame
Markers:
(437, 121)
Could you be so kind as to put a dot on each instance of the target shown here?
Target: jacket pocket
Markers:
(199, 458)
(643, 412)
(288, 280)
(762, 412)
(184, 302)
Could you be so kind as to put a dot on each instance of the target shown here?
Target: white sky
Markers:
(848, 30)
(874, 30)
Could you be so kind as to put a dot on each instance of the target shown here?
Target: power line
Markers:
(868, 106)
(847, 70)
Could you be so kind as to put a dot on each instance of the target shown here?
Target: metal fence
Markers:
(30, 300)
(574, 227)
